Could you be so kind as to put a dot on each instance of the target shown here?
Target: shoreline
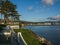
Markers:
(42, 39)
(32, 38)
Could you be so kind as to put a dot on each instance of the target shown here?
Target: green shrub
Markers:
(2, 25)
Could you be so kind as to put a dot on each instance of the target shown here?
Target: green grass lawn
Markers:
(29, 36)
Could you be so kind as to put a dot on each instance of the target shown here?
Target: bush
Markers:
(2, 25)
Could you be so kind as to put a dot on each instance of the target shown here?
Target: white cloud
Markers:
(48, 2)
(30, 8)
(57, 17)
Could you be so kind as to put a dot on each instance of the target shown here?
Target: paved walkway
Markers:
(4, 40)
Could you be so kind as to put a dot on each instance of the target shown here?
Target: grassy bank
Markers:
(29, 36)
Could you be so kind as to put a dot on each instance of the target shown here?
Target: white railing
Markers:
(19, 34)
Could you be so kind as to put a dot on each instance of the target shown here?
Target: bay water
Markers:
(51, 33)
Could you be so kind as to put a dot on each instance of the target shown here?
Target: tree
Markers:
(8, 9)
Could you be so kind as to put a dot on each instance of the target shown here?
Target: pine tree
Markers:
(9, 10)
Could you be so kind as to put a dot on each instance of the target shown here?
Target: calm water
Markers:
(51, 33)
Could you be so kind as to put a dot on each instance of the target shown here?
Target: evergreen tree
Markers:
(9, 10)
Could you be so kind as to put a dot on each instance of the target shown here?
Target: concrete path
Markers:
(4, 41)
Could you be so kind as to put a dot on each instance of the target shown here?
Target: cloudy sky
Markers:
(38, 10)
